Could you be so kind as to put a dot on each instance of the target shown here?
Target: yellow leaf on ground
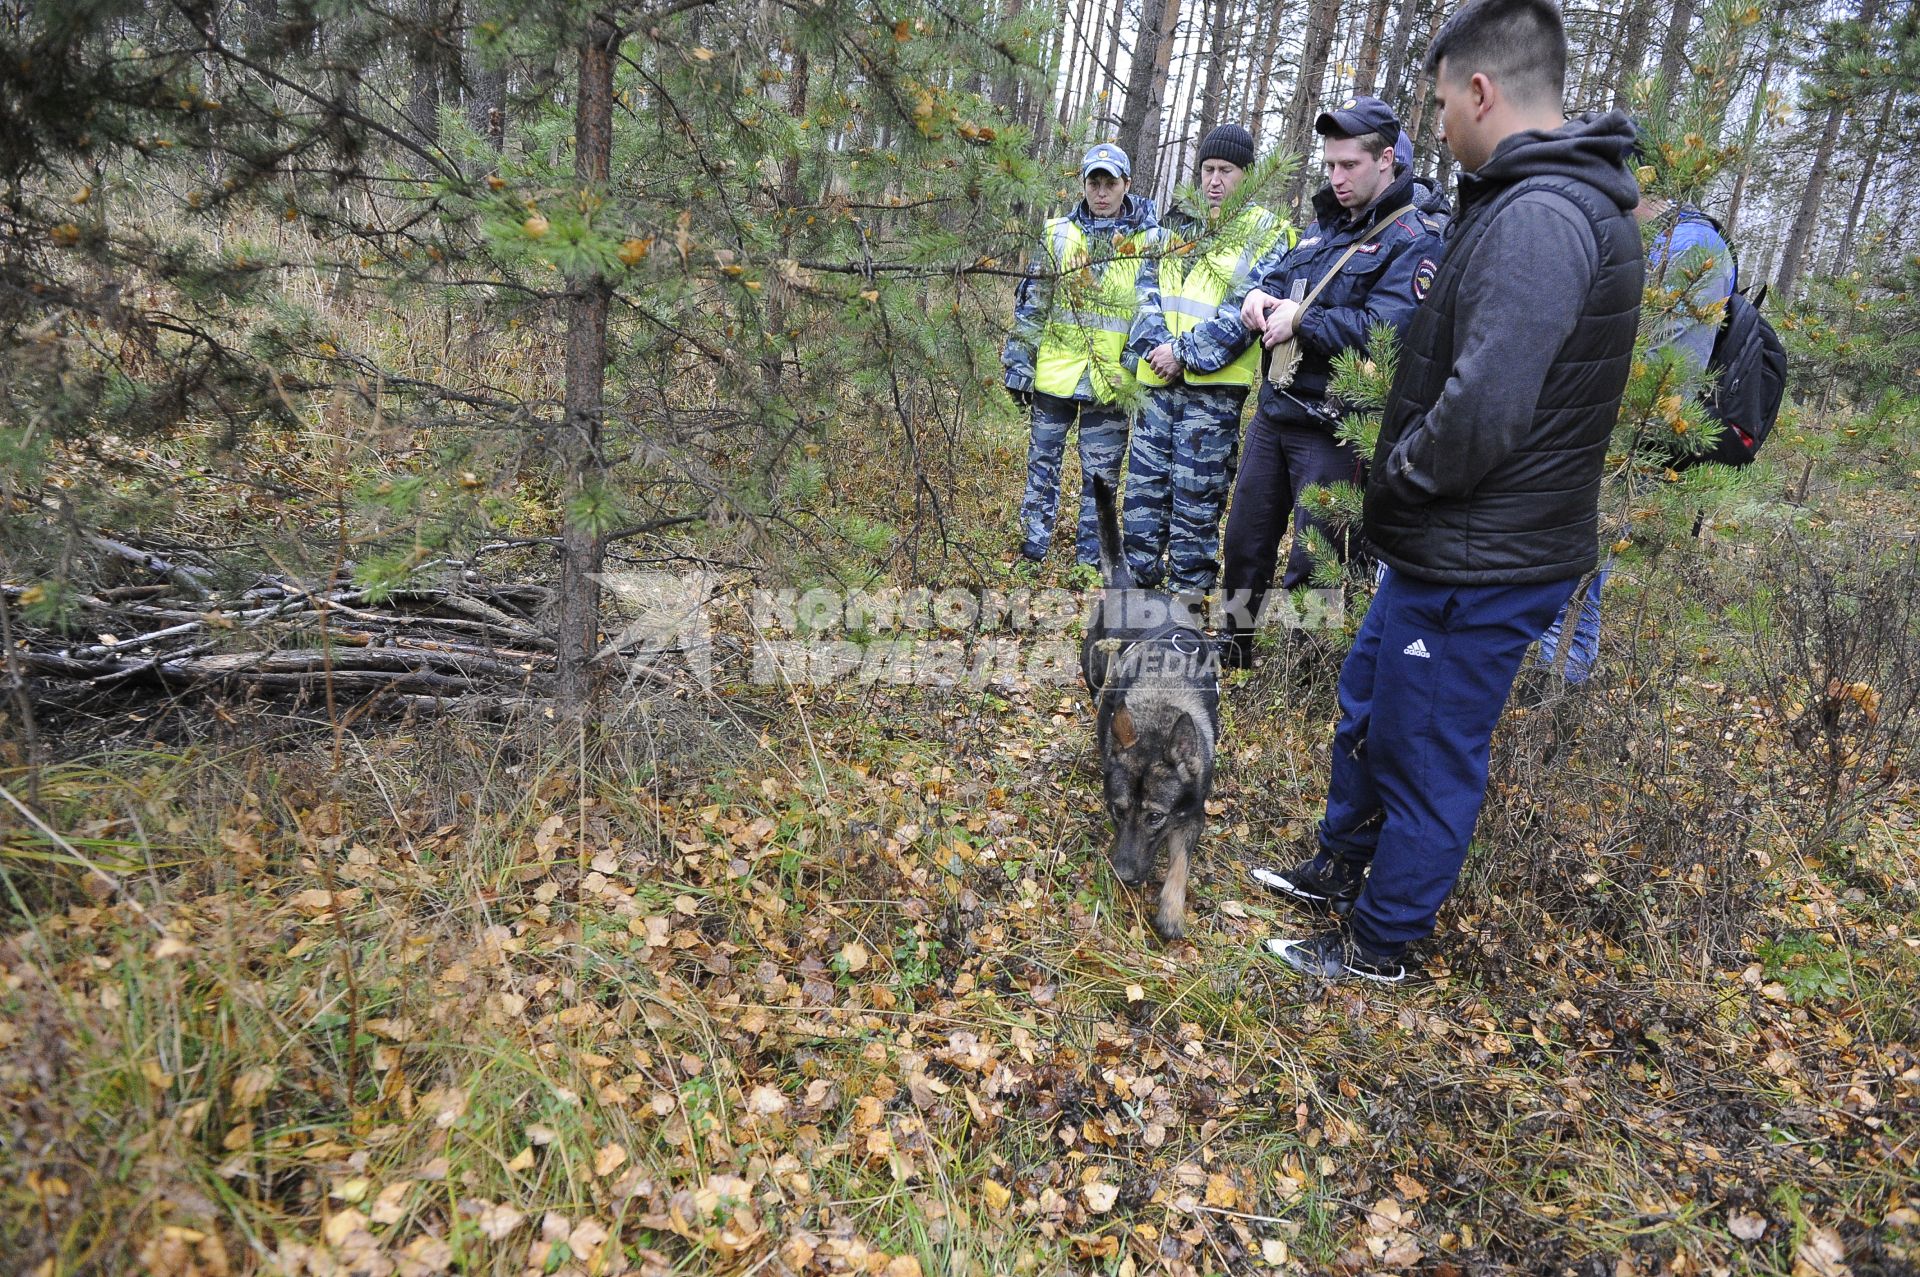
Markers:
(998, 1195)
(1100, 1197)
(609, 1159)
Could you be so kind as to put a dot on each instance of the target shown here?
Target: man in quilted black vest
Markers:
(1484, 497)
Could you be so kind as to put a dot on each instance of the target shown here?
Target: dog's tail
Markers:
(1113, 558)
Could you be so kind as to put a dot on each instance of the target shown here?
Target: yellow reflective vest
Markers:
(1195, 278)
(1085, 328)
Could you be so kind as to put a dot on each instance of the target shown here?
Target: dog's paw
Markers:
(1170, 925)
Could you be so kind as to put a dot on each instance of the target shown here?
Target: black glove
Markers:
(1022, 399)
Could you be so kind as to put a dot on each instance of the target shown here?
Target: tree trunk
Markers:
(1070, 62)
(423, 52)
(1633, 51)
(1673, 54)
(1755, 118)
(1869, 153)
(1306, 106)
(1147, 83)
(583, 465)
(1372, 36)
(1257, 125)
(1110, 73)
(1394, 85)
(1794, 255)
(1218, 57)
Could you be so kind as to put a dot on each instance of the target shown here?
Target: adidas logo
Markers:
(1417, 648)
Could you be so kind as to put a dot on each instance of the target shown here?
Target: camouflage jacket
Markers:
(1034, 297)
(1212, 344)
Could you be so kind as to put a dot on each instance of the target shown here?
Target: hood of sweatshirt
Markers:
(1430, 199)
(1593, 149)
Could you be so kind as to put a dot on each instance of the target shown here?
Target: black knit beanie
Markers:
(1228, 142)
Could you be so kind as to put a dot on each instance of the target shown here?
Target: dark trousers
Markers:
(1287, 449)
(1420, 693)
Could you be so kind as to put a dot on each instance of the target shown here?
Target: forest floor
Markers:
(836, 980)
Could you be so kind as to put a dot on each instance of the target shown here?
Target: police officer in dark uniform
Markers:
(1371, 208)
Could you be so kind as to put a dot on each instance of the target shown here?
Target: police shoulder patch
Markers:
(1423, 278)
(1371, 246)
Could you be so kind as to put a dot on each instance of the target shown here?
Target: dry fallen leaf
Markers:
(609, 1159)
(1100, 1197)
(1748, 1228)
(766, 1101)
(498, 1221)
(1822, 1254)
(853, 955)
(998, 1195)
(251, 1087)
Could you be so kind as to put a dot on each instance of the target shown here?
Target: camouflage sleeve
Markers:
(1149, 318)
(1217, 342)
(1397, 289)
(1031, 300)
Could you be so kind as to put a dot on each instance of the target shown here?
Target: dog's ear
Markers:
(1123, 728)
(1187, 754)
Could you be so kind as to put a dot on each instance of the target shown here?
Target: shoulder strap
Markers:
(1353, 248)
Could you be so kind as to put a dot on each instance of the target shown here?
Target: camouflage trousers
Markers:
(1103, 445)
(1177, 482)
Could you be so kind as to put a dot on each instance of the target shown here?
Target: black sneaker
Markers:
(1324, 882)
(1335, 955)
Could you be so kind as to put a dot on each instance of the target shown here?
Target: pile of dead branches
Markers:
(282, 633)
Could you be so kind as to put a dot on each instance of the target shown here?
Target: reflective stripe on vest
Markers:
(1085, 331)
(1191, 297)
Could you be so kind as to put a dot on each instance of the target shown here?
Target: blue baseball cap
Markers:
(1105, 156)
(1357, 118)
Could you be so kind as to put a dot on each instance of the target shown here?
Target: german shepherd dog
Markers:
(1155, 681)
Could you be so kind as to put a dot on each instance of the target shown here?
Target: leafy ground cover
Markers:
(836, 981)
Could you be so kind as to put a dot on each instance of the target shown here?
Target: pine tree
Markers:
(739, 264)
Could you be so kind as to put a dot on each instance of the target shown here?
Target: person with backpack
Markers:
(1727, 369)
(1189, 348)
(1063, 357)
